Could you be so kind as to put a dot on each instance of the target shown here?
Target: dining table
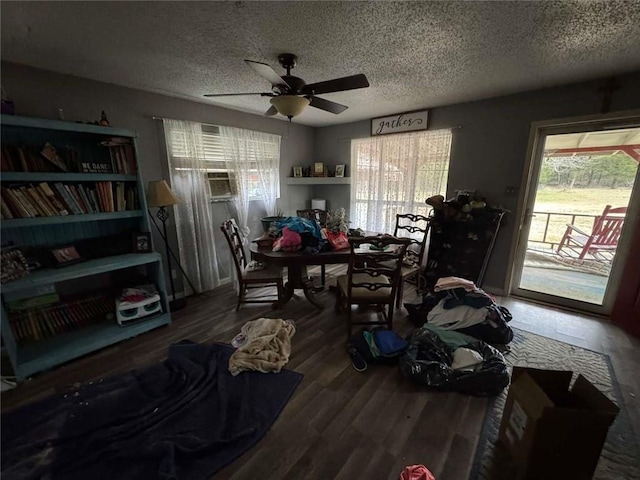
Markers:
(296, 264)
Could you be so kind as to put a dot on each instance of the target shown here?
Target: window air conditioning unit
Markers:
(219, 184)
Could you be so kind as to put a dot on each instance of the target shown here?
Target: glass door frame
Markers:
(537, 137)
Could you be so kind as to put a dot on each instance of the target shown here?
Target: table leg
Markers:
(298, 278)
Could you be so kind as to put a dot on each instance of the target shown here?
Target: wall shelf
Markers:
(318, 180)
(57, 220)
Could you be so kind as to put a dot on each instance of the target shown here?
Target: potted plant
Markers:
(267, 221)
(338, 221)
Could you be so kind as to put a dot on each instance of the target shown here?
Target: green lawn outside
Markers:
(590, 201)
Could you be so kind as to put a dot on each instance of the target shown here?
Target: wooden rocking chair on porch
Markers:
(601, 243)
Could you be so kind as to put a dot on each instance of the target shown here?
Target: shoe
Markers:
(359, 363)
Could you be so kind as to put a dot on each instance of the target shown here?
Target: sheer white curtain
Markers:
(252, 156)
(194, 222)
(395, 174)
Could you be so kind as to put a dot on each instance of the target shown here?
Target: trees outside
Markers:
(604, 171)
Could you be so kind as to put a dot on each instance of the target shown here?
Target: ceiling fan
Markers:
(291, 95)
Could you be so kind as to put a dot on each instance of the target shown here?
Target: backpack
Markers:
(375, 346)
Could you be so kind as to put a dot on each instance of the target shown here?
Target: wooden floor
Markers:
(341, 423)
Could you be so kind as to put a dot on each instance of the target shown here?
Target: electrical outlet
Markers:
(174, 274)
(510, 191)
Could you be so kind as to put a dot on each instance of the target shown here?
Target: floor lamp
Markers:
(161, 196)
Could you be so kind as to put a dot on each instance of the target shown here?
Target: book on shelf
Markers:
(85, 198)
(44, 199)
(73, 198)
(76, 196)
(4, 208)
(37, 202)
(23, 196)
(50, 153)
(122, 154)
(16, 158)
(11, 200)
(59, 199)
(34, 324)
(57, 203)
(66, 198)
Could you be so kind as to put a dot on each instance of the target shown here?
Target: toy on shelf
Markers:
(137, 302)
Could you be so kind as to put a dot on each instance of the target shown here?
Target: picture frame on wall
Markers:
(339, 170)
(142, 242)
(297, 171)
(318, 169)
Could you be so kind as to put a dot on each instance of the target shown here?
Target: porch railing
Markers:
(547, 228)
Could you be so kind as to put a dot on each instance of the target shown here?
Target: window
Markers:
(396, 174)
(217, 174)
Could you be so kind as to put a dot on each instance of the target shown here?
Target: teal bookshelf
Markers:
(48, 349)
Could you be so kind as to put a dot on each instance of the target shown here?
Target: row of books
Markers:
(31, 325)
(23, 159)
(44, 200)
(121, 158)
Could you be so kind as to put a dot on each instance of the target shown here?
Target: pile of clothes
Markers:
(454, 348)
(457, 304)
(297, 233)
(263, 345)
(451, 361)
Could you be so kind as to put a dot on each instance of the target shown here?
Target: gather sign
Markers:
(401, 122)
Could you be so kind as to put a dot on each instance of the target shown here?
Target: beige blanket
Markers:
(267, 348)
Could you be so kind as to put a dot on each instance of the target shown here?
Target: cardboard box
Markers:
(551, 431)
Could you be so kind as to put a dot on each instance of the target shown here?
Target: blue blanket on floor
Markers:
(185, 418)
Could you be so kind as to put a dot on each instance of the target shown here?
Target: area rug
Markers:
(185, 418)
(620, 459)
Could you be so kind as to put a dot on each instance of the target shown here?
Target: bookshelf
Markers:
(100, 197)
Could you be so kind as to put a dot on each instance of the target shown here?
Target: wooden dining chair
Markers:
(373, 277)
(414, 227)
(319, 216)
(251, 279)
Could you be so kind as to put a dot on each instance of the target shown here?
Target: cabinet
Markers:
(461, 248)
(89, 195)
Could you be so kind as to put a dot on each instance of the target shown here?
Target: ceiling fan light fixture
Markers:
(290, 105)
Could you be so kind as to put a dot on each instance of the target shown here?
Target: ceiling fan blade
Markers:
(263, 94)
(272, 111)
(267, 72)
(327, 105)
(337, 85)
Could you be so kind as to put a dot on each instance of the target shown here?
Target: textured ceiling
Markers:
(415, 54)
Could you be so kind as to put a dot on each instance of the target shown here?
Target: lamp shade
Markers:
(289, 105)
(160, 195)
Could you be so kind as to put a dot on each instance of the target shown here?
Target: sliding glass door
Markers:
(582, 203)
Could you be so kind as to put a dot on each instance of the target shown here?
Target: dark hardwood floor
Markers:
(341, 423)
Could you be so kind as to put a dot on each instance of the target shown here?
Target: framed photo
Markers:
(142, 242)
(339, 170)
(318, 169)
(63, 256)
(14, 265)
(297, 171)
